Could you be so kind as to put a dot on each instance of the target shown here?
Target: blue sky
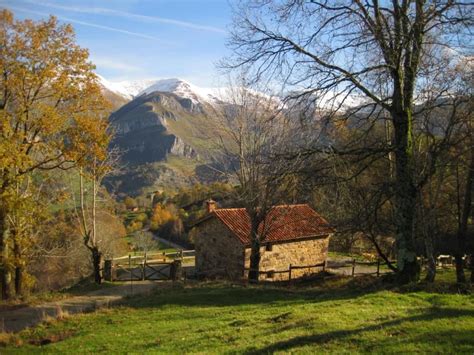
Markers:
(138, 39)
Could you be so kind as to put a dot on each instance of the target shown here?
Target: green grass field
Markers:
(338, 316)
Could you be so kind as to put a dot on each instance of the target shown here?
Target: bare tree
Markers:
(145, 241)
(381, 53)
(254, 133)
(94, 172)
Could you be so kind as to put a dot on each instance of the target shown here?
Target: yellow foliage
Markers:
(161, 215)
(52, 115)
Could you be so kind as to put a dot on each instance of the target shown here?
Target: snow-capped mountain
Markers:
(131, 89)
(128, 88)
(183, 89)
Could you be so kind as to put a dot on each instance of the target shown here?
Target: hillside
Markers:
(166, 137)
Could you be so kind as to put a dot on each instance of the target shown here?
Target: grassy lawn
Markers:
(337, 316)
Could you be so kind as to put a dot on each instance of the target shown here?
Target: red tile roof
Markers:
(283, 223)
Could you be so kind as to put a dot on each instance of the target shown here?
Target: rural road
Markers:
(19, 319)
(342, 266)
(169, 243)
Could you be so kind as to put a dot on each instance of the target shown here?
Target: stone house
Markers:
(294, 235)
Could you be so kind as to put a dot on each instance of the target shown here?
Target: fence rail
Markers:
(354, 263)
(149, 266)
(289, 270)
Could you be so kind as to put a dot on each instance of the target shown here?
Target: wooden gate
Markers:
(157, 266)
(158, 271)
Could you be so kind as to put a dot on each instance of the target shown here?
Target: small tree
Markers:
(253, 137)
(97, 168)
(144, 241)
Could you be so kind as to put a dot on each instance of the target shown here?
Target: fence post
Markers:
(144, 268)
(176, 270)
(131, 274)
(324, 266)
(378, 267)
(353, 266)
(289, 273)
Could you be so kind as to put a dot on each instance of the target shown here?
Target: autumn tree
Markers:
(380, 55)
(161, 215)
(49, 106)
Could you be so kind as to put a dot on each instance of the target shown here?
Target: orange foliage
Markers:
(161, 215)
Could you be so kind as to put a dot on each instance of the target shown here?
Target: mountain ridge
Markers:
(166, 139)
(131, 89)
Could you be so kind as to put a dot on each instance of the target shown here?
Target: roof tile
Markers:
(283, 223)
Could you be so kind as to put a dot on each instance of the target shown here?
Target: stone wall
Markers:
(296, 253)
(218, 252)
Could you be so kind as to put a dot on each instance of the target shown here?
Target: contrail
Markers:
(105, 11)
(89, 24)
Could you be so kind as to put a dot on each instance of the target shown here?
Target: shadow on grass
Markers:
(433, 314)
(222, 294)
(218, 294)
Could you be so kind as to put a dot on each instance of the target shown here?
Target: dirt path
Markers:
(169, 243)
(19, 319)
(343, 266)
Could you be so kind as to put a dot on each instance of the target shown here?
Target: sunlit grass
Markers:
(339, 316)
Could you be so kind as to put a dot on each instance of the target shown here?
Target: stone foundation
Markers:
(279, 257)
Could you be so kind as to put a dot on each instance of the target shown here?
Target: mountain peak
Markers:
(134, 88)
(181, 88)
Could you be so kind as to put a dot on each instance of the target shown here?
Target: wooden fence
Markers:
(289, 271)
(352, 264)
(149, 266)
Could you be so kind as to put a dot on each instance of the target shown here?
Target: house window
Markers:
(269, 247)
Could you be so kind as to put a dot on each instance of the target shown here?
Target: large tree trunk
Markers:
(97, 261)
(431, 265)
(254, 253)
(5, 265)
(19, 272)
(472, 267)
(464, 220)
(460, 276)
(405, 199)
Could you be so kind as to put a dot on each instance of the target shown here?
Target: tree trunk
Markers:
(19, 274)
(462, 231)
(97, 261)
(405, 199)
(254, 253)
(472, 268)
(5, 269)
(19, 281)
(460, 276)
(431, 265)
